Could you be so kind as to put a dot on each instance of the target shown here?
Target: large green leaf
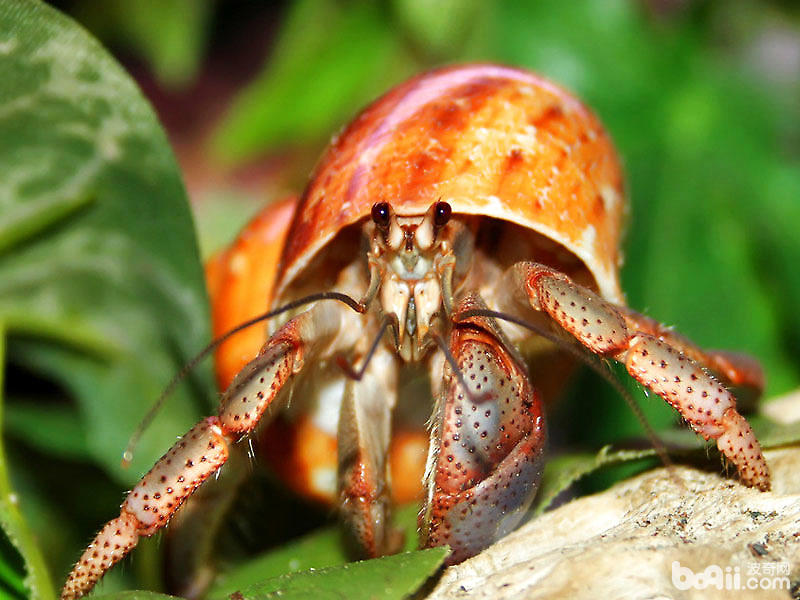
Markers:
(318, 550)
(100, 282)
(390, 577)
(101, 287)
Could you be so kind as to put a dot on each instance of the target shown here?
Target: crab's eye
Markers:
(381, 214)
(441, 214)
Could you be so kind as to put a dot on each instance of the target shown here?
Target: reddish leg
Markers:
(485, 455)
(362, 445)
(204, 448)
(658, 358)
(735, 369)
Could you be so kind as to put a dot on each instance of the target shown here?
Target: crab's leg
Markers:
(736, 369)
(362, 445)
(485, 455)
(668, 364)
(204, 448)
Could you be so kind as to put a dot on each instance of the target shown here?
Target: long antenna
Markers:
(348, 368)
(127, 456)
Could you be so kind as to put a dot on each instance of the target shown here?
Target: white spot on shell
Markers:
(527, 137)
(589, 237)
(494, 203)
(544, 195)
(238, 263)
(611, 199)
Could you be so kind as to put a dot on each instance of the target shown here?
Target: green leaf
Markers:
(440, 27)
(389, 577)
(320, 549)
(561, 472)
(170, 34)
(771, 434)
(134, 595)
(59, 429)
(37, 581)
(102, 294)
(101, 287)
(327, 62)
(317, 550)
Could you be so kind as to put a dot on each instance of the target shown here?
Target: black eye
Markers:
(381, 214)
(441, 214)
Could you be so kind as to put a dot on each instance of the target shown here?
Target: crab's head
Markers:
(408, 258)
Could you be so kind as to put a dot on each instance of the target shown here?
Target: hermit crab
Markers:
(463, 225)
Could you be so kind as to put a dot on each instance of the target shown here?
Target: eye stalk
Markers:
(437, 216)
(441, 214)
(382, 215)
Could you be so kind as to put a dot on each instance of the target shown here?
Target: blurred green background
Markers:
(702, 99)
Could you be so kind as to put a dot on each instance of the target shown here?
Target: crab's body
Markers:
(464, 189)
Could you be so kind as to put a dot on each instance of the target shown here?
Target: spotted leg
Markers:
(668, 364)
(485, 455)
(204, 448)
(735, 369)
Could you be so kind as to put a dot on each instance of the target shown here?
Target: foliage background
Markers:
(702, 98)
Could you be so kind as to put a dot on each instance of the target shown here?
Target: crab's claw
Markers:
(487, 440)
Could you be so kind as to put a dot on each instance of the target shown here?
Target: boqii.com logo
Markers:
(759, 576)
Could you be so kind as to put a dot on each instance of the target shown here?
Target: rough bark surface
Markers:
(622, 543)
